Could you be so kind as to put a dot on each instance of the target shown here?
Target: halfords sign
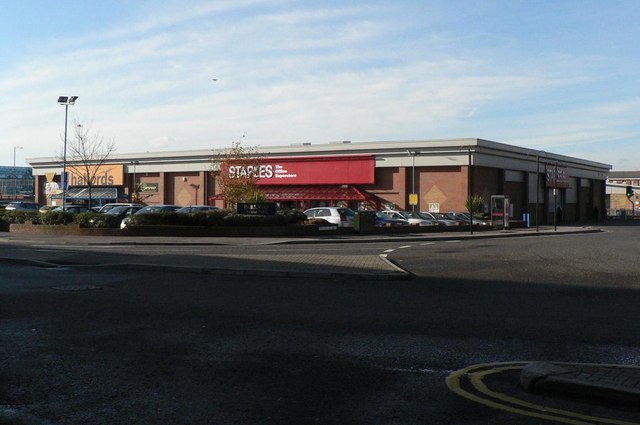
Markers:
(102, 175)
(354, 169)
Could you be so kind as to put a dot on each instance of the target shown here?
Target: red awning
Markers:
(310, 193)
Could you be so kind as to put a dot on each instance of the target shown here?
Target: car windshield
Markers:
(117, 210)
(407, 214)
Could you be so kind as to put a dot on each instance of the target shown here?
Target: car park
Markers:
(22, 206)
(341, 216)
(412, 217)
(190, 209)
(150, 209)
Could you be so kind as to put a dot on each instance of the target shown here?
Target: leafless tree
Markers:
(87, 154)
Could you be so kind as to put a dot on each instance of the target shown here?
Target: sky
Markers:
(556, 76)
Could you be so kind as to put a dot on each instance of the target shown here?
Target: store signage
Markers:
(148, 187)
(100, 175)
(557, 177)
(261, 208)
(354, 169)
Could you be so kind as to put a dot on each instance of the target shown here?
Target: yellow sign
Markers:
(413, 199)
(99, 175)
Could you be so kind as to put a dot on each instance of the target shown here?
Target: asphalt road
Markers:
(86, 346)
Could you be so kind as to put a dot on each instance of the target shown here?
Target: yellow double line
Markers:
(476, 375)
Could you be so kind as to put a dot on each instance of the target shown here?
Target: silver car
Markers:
(440, 218)
(413, 218)
(341, 216)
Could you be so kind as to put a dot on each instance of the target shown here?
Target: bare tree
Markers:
(87, 153)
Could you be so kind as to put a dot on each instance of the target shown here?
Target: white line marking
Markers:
(454, 241)
(406, 246)
(428, 243)
(389, 250)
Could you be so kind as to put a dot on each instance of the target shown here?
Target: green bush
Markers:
(56, 217)
(93, 219)
(20, 217)
(293, 216)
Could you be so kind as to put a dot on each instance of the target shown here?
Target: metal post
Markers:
(537, 189)
(555, 198)
(63, 179)
(413, 178)
(469, 193)
(135, 185)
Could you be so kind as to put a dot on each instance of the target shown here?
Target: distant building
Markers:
(16, 183)
(618, 204)
(425, 175)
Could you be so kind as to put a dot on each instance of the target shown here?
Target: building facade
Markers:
(617, 202)
(16, 183)
(425, 175)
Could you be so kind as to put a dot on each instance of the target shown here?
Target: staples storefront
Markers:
(425, 175)
(299, 182)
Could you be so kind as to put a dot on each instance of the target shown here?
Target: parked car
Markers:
(45, 208)
(107, 207)
(120, 211)
(383, 220)
(22, 206)
(477, 221)
(440, 218)
(190, 209)
(412, 217)
(341, 216)
(73, 209)
(150, 209)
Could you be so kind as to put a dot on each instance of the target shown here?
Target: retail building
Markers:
(425, 175)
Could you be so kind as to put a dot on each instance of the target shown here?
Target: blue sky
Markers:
(559, 76)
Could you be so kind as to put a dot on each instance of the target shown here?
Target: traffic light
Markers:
(629, 192)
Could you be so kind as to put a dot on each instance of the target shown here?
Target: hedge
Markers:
(210, 218)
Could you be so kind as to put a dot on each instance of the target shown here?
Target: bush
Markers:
(56, 218)
(293, 216)
(93, 219)
(20, 217)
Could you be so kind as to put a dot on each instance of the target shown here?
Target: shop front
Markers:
(303, 183)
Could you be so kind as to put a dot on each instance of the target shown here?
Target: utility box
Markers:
(364, 221)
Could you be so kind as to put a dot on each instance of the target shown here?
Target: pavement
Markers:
(608, 385)
(375, 267)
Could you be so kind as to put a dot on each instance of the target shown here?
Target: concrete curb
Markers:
(399, 274)
(611, 383)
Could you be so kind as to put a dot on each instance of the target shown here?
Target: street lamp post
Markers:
(15, 176)
(134, 198)
(66, 101)
(413, 176)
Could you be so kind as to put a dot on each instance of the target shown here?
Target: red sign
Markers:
(557, 177)
(354, 169)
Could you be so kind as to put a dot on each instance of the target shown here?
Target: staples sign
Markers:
(355, 169)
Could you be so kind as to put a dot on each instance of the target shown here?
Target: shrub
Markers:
(56, 217)
(93, 219)
(293, 216)
(20, 217)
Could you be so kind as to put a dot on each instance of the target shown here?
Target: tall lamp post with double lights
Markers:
(15, 176)
(66, 101)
